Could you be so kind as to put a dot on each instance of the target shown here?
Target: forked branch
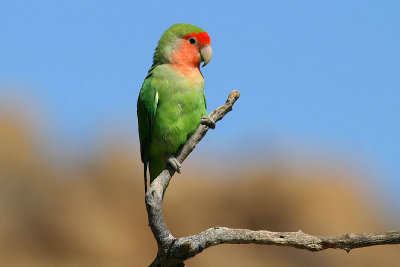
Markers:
(174, 251)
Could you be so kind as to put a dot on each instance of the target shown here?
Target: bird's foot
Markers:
(206, 120)
(174, 163)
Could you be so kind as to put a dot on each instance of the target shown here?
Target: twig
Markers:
(173, 252)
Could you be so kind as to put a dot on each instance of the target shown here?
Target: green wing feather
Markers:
(146, 112)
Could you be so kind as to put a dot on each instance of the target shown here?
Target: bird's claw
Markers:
(205, 120)
(174, 163)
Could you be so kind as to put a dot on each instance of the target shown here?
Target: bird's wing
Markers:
(146, 112)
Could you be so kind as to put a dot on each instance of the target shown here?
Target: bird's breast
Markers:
(181, 104)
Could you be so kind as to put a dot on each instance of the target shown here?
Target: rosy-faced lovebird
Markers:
(171, 103)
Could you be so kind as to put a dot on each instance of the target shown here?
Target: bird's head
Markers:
(183, 44)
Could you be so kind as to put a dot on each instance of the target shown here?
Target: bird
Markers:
(171, 102)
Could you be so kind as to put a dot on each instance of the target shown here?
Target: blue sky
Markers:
(321, 74)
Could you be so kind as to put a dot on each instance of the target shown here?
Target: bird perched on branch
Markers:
(171, 103)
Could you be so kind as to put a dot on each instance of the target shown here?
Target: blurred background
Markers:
(312, 144)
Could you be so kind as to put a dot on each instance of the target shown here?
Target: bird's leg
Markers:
(206, 120)
(174, 163)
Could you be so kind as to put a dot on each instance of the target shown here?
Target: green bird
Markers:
(171, 102)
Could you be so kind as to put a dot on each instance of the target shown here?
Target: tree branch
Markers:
(187, 247)
(173, 252)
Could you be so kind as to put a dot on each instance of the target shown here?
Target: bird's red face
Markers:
(193, 49)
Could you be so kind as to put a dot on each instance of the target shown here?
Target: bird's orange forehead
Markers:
(202, 37)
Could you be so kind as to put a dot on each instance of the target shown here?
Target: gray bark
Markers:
(174, 251)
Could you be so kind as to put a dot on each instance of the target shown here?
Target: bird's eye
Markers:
(192, 40)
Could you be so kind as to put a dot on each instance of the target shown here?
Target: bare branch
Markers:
(173, 252)
(187, 247)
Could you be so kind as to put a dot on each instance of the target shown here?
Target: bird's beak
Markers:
(206, 53)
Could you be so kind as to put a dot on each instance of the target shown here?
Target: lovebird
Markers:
(171, 102)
